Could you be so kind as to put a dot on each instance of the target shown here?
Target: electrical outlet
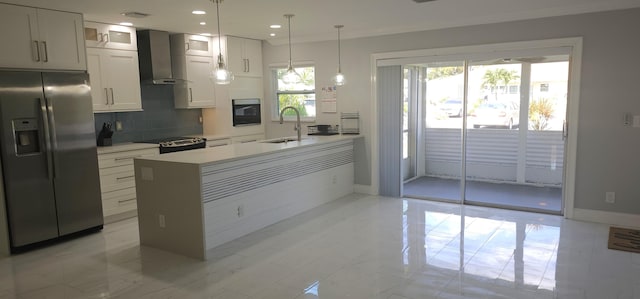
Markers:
(118, 125)
(161, 221)
(200, 119)
(610, 197)
(240, 210)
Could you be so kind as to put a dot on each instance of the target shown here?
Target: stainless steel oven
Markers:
(246, 112)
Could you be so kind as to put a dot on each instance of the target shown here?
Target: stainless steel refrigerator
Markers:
(49, 159)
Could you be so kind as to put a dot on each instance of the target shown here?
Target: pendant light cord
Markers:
(339, 62)
(289, 21)
(219, 35)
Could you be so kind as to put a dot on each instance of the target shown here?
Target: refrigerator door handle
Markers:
(47, 136)
(52, 134)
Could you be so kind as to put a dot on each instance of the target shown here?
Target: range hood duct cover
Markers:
(154, 56)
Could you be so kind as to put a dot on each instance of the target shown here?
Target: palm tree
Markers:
(506, 77)
(490, 80)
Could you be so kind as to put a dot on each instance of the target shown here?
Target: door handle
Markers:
(45, 53)
(47, 136)
(248, 65)
(565, 130)
(106, 93)
(36, 52)
(50, 131)
(190, 95)
(113, 101)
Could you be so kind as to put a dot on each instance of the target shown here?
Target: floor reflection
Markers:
(356, 247)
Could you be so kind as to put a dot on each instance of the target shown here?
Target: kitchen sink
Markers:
(281, 140)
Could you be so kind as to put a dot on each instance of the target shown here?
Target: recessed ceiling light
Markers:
(272, 34)
(126, 24)
(203, 23)
(205, 34)
(198, 12)
(275, 26)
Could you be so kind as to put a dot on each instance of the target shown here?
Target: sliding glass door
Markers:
(506, 149)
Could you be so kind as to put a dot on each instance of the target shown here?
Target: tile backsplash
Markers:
(159, 118)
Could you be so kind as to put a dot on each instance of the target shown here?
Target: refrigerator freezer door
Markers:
(29, 193)
(73, 140)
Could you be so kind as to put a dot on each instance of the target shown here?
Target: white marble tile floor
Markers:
(356, 247)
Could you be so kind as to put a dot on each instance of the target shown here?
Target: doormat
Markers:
(624, 239)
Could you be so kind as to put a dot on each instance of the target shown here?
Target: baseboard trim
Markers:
(611, 218)
(364, 189)
(119, 217)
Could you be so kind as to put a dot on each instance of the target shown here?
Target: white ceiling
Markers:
(314, 20)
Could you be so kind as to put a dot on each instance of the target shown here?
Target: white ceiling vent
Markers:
(135, 14)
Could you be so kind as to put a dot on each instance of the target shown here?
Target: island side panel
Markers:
(170, 207)
(246, 195)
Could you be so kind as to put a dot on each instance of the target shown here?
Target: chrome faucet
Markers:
(297, 127)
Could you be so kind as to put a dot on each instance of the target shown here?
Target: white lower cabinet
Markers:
(117, 181)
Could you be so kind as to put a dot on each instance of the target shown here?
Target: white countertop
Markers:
(123, 147)
(243, 150)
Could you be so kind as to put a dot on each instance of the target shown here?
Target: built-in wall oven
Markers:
(246, 112)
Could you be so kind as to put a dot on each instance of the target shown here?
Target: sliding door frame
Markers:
(462, 53)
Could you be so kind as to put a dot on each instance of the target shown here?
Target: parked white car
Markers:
(452, 107)
(496, 114)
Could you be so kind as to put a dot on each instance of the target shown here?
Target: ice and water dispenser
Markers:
(26, 133)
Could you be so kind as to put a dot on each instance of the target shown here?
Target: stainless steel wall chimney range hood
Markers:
(154, 57)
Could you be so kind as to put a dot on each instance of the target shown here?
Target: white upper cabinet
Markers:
(195, 89)
(99, 35)
(115, 80)
(244, 56)
(192, 44)
(192, 63)
(34, 38)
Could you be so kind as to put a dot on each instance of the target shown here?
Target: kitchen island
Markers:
(192, 201)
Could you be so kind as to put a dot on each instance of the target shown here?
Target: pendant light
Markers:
(221, 75)
(338, 79)
(291, 76)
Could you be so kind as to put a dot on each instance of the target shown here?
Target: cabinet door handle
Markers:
(36, 52)
(101, 37)
(113, 101)
(106, 37)
(186, 47)
(190, 95)
(45, 53)
(126, 200)
(106, 93)
(125, 177)
(248, 65)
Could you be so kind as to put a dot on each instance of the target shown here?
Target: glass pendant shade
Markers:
(221, 75)
(338, 79)
(291, 76)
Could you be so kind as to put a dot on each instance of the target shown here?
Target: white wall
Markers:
(218, 120)
(606, 156)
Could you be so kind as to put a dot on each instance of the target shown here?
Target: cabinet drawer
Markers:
(123, 158)
(117, 181)
(119, 201)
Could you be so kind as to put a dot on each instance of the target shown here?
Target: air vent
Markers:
(423, 1)
(135, 14)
